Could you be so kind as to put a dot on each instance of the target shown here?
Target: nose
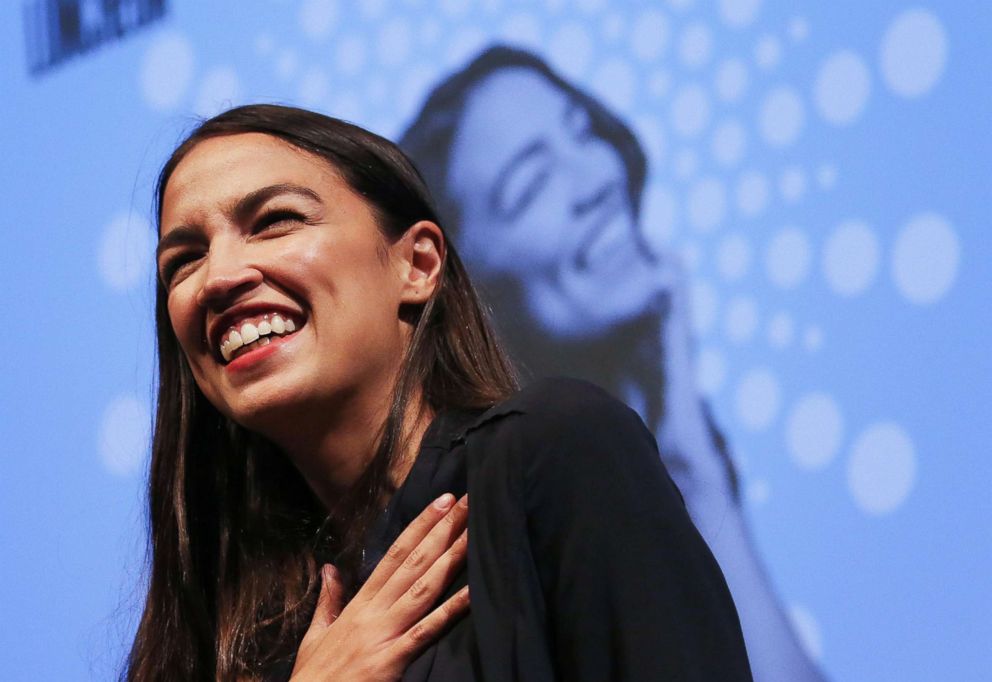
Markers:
(228, 276)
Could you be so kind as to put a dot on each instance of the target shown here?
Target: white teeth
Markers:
(231, 344)
(249, 333)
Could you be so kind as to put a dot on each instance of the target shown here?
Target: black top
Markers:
(583, 563)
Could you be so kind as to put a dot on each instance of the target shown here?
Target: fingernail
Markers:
(327, 572)
(464, 501)
(444, 502)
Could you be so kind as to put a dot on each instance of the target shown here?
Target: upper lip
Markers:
(220, 324)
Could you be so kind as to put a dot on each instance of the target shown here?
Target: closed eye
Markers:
(521, 181)
(278, 218)
(176, 266)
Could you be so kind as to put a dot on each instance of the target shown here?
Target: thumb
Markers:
(329, 601)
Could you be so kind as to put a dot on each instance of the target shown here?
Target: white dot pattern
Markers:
(731, 80)
(813, 432)
(782, 117)
(729, 143)
(787, 258)
(739, 13)
(757, 399)
(707, 204)
(925, 258)
(913, 53)
(742, 319)
(690, 111)
(166, 71)
(881, 468)
(124, 437)
(317, 18)
(733, 257)
(850, 258)
(651, 35)
(695, 45)
(220, 89)
(125, 252)
(842, 87)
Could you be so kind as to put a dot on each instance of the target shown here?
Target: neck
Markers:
(331, 445)
(627, 360)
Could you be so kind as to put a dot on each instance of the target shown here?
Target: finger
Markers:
(329, 601)
(432, 625)
(335, 591)
(442, 536)
(405, 543)
(426, 589)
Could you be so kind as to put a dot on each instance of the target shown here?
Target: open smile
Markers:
(253, 333)
(604, 226)
(249, 327)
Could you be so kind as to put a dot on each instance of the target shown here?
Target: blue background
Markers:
(881, 546)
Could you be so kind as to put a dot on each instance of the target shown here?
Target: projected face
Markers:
(278, 289)
(544, 201)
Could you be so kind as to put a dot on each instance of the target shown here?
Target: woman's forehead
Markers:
(507, 111)
(515, 95)
(248, 152)
(224, 168)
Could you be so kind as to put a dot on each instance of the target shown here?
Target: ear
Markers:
(421, 254)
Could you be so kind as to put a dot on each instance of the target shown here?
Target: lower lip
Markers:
(257, 355)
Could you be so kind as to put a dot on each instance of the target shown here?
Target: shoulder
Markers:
(561, 406)
(564, 397)
(560, 430)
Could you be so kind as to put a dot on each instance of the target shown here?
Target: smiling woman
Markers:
(285, 241)
(325, 372)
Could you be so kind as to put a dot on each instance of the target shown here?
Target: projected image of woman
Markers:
(540, 188)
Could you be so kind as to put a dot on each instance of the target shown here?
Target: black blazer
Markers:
(583, 563)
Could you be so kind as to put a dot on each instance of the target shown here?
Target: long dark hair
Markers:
(236, 535)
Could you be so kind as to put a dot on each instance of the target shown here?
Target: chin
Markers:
(260, 406)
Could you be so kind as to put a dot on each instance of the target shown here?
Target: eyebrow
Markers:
(183, 234)
(251, 202)
(245, 207)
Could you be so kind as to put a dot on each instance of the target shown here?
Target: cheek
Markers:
(325, 266)
(545, 233)
(184, 323)
(345, 277)
(187, 327)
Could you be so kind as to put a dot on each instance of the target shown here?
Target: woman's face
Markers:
(282, 291)
(544, 201)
